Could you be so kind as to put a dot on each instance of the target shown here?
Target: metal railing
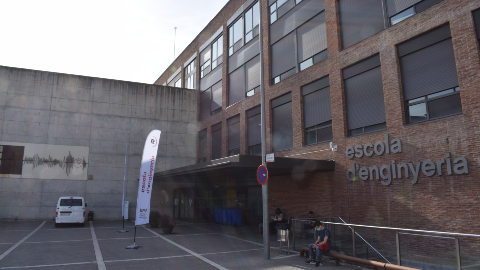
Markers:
(409, 231)
(332, 218)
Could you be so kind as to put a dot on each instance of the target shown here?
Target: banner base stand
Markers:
(133, 247)
(122, 231)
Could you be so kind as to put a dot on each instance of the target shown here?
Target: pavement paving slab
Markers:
(150, 248)
(184, 263)
(50, 253)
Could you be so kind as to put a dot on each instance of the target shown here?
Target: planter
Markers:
(167, 229)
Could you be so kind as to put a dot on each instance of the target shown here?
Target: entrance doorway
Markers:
(183, 203)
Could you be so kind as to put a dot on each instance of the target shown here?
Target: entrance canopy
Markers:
(245, 164)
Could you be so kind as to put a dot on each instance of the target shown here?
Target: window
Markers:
(274, 15)
(233, 135)
(359, 19)
(317, 111)
(364, 97)
(235, 37)
(254, 131)
(282, 134)
(245, 81)
(298, 40)
(71, 202)
(399, 10)
(178, 83)
(244, 60)
(441, 104)
(11, 159)
(211, 78)
(202, 146)
(251, 23)
(190, 75)
(429, 76)
(211, 57)
(176, 80)
(217, 52)
(217, 141)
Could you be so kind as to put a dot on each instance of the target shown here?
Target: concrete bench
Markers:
(375, 264)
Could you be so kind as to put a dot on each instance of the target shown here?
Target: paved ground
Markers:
(98, 245)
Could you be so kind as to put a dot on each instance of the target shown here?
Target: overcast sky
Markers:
(116, 39)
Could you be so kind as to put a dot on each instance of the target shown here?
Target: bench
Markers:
(375, 264)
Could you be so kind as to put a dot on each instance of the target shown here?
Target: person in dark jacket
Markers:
(277, 219)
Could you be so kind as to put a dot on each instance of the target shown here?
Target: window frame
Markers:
(211, 60)
(324, 125)
(426, 100)
(190, 77)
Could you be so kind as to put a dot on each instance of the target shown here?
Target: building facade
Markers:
(68, 135)
(392, 84)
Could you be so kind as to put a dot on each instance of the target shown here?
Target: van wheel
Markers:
(57, 225)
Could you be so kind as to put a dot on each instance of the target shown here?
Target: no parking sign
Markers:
(262, 175)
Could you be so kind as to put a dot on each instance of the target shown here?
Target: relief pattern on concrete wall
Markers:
(43, 161)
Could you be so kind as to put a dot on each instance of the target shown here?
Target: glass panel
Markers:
(178, 83)
(66, 202)
(250, 93)
(306, 64)
(417, 113)
(310, 137)
(324, 134)
(457, 88)
(230, 37)
(441, 93)
(248, 21)
(273, 7)
(230, 51)
(281, 2)
(237, 30)
(1, 148)
(220, 46)
(276, 80)
(255, 15)
(214, 64)
(356, 131)
(445, 106)
(251, 150)
(416, 100)
(297, 1)
(77, 202)
(248, 36)
(1, 153)
(273, 17)
(402, 16)
(214, 51)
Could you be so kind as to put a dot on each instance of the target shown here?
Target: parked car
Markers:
(70, 210)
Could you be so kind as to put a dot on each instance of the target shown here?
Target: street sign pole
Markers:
(266, 231)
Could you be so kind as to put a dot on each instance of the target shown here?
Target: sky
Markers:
(115, 39)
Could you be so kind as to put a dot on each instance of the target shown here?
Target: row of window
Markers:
(430, 91)
(297, 38)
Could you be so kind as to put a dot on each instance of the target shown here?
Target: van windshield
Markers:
(71, 202)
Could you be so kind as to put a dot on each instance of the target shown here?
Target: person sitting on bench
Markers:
(321, 246)
(277, 219)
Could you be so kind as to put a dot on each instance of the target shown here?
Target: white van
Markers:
(70, 210)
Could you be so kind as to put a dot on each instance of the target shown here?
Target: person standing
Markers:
(322, 245)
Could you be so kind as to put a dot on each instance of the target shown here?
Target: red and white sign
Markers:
(262, 175)
(145, 182)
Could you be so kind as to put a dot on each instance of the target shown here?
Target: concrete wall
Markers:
(58, 109)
